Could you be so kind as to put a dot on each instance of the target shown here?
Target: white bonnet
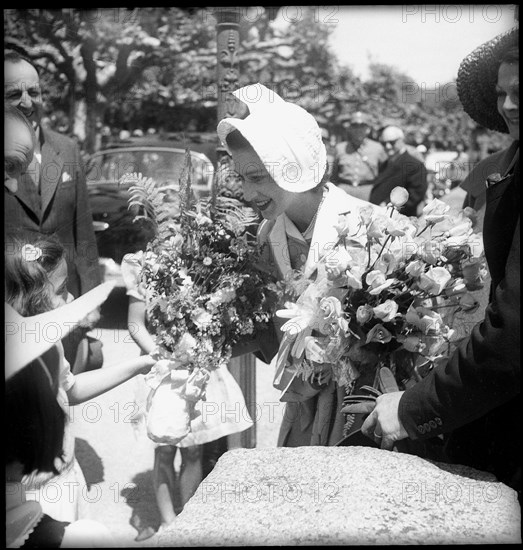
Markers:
(284, 135)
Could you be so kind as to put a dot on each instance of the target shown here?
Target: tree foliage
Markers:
(157, 67)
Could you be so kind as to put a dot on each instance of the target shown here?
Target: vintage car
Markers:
(116, 232)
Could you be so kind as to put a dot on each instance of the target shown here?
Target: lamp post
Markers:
(243, 368)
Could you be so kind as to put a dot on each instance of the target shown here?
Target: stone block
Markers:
(344, 495)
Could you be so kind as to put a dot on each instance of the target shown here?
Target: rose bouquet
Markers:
(204, 292)
(384, 295)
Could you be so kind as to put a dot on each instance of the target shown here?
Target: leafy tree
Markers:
(98, 58)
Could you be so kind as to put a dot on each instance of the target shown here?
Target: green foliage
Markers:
(144, 194)
(156, 67)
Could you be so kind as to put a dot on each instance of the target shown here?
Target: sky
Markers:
(427, 42)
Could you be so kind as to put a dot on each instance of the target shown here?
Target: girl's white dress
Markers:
(224, 411)
(62, 497)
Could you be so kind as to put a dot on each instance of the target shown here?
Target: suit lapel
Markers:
(278, 241)
(28, 194)
(51, 170)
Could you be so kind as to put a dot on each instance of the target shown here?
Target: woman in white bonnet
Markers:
(277, 149)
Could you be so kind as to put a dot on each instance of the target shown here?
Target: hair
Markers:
(35, 423)
(27, 287)
(510, 56)
(238, 142)
(15, 57)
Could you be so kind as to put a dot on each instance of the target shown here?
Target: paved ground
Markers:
(117, 458)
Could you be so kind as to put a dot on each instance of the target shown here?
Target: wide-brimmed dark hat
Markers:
(477, 78)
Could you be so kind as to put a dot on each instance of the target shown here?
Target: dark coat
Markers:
(405, 171)
(61, 209)
(475, 398)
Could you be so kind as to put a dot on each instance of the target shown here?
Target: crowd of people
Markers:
(471, 403)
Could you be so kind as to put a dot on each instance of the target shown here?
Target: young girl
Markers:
(35, 282)
(222, 392)
(33, 438)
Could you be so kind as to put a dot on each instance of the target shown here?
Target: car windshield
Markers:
(162, 166)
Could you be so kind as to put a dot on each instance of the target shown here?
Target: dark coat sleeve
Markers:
(87, 262)
(415, 183)
(482, 374)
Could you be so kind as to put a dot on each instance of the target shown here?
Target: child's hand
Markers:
(90, 320)
(149, 363)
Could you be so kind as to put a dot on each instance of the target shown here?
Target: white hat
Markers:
(284, 135)
(26, 338)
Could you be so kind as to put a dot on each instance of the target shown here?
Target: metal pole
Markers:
(228, 37)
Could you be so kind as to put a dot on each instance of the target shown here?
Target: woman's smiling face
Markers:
(259, 188)
(507, 89)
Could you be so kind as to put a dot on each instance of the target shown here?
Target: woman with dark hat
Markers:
(475, 398)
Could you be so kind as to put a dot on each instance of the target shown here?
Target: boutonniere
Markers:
(66, 177)
(11, 185)
(494, 179)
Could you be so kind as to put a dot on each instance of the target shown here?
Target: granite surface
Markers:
(343, 495)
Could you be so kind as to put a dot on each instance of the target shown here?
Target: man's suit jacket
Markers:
(405, 171)
(61, 209)
(476, 396)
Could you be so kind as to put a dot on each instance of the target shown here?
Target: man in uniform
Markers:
(357, 160)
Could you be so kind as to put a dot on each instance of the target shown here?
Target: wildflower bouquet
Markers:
(204, 291)
(384, 296)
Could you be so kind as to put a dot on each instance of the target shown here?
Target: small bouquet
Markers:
(204, 290)
(384, 296)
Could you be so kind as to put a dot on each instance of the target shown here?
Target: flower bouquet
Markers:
(204, 291)
(379, 313)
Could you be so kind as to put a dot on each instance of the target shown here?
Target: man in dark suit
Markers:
(475, 398)
(400, 169)
(51, 197)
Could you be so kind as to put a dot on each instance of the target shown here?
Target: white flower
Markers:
(386, 311)
(313, 350)
(434, 280)
(201, 318)
(435, 211)
(364, 313)
(343, 225)
(337, 262)
(475, 244)
(399, 196)
(424, 319)
(377, 282)
(415, 268)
